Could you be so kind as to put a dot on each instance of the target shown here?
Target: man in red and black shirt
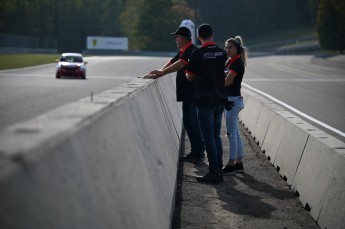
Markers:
(184, 92)
(206, 68)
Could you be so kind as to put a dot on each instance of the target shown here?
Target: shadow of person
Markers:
(263, 187)
(242, 194)
(239, 199)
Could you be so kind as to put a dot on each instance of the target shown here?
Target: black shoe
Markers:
(211, 177)
(228, 170)
(239, 168)
(198, 160)
(189, 157)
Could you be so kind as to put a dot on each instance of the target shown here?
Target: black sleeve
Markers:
(175, 58)
(193, 63)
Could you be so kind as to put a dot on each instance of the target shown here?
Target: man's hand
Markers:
(150, 76)
(154, 74)
(157, 73)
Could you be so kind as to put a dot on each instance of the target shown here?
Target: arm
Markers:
(229, 79)
(178, 65)
(168, 68)
(151, 74)
(166, 65)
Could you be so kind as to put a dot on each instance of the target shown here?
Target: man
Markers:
(184, 92)
(206, 67)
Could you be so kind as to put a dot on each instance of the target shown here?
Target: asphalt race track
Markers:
(314, 92)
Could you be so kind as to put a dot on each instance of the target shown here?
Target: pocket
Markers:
(240, 103)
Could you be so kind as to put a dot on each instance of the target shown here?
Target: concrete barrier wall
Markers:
(106, 163)
(311, 161)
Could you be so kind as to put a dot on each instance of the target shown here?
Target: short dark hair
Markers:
(205, 30)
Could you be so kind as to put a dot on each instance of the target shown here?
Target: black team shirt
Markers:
(235, 65)
(207, 64)
(184, 88)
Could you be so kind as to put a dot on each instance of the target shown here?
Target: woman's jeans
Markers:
(191, 124)
(233, 132)
(210, 121)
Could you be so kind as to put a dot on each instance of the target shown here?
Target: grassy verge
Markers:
(9, 61)
(293, 34)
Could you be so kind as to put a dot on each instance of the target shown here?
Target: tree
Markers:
(148, 23)
(330, 24)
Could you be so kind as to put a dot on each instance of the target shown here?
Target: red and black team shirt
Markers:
(235, 65)
(207, 64)
(184, 88)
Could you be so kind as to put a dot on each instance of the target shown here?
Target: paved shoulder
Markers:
(258, 198)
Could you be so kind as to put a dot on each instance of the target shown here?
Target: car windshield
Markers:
(72, 59)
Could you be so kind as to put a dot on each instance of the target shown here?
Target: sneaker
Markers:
(228, 170)
(211, 177)
(239, 168)
(189, 157)
(198, 160)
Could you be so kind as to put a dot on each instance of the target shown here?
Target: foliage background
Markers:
(331, 24)
(148, 23)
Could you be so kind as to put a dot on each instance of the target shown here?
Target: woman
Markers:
(234, 68)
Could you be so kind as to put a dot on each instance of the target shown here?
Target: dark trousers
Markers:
(210, 121)
(191, 124)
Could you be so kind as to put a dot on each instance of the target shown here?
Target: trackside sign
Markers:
(111, 43)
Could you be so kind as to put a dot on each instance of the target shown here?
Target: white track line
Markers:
(295, 110)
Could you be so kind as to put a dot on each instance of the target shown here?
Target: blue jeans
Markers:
(210, 121)
(233, 132)
(191, 124)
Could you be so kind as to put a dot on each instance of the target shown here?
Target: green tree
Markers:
(330, 24)
(148, 23)
(70, 21)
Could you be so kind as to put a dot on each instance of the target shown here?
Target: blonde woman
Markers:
(234, 68)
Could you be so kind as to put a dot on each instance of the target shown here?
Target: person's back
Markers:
(209, 83)
(206, 67)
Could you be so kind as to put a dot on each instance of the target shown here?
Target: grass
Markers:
(282, 38)
(282, 35)
(10, 61)
(269, 41)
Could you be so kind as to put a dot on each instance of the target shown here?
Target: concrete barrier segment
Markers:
(167, 90)
(318, 174)
(290, 149)
(310, 160)
(333, 62)
(103, 163)
(37, 130)
(261, 117)
(250, 113)
(333, 211)
(19, 139)
(263, 122)
(275, 133)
